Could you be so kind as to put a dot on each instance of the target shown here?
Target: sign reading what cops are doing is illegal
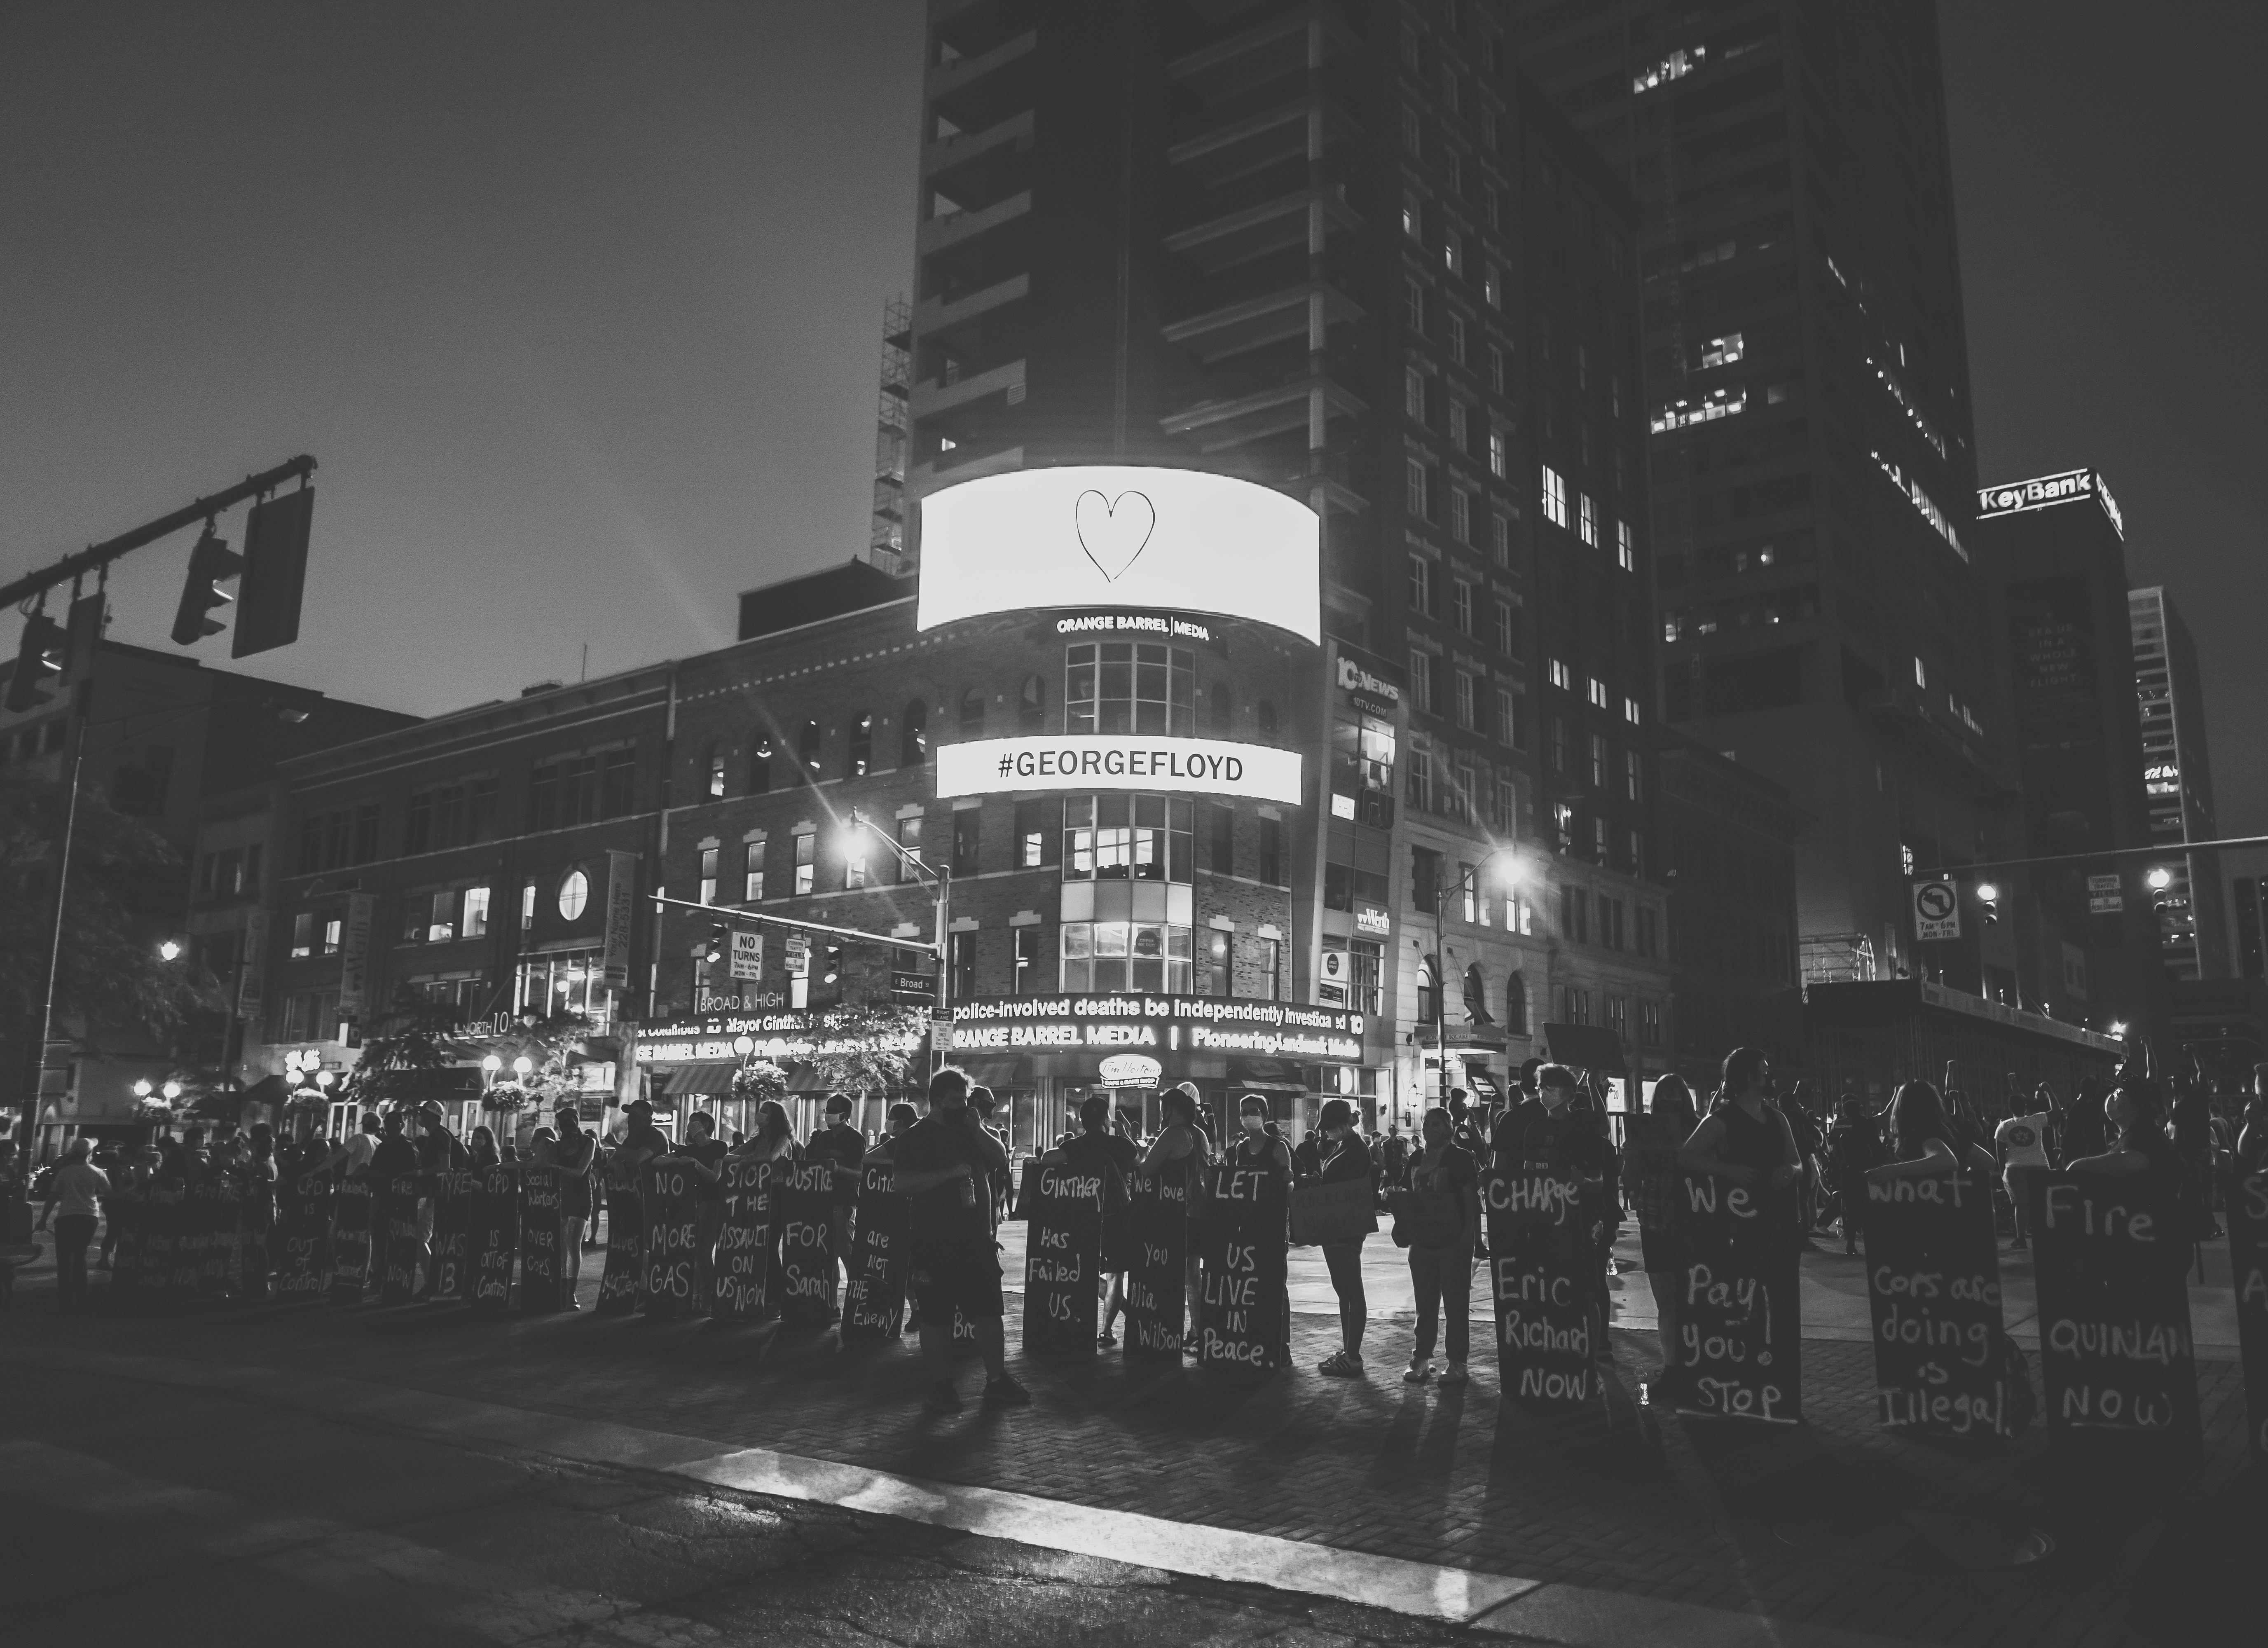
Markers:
(1937, 910)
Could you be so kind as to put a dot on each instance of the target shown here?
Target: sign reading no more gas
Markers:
(1937, 910)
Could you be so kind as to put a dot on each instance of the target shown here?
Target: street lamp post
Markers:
(941, 878)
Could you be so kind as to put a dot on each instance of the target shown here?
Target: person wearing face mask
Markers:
(1260, 1146)
(1344, 1156)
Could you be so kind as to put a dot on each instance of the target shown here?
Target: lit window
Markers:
(1499, 454)
(1722, 351)
(1625, 548)
(1555, 496)
(1921, 675)
(1598, 693)
(1718, 403)
(1631, 711)
(807, 847)
(1560, 675)
(854, 864)
(574, 895)
(1676, 66)
(527, 907)
(331, 930)
(1492, 286)
(476, 914)
(1587, 520)
(709, 875)
(752, 886)
(1453, 251)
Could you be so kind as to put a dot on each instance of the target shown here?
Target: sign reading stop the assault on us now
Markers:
(1933, 1289)
(745, 1242)
(671, 1284)
(2248, 1252)
(803, 1198)
(1061, 1258)
(1739, 1350)
(1540, 1265)
(2115, 1349)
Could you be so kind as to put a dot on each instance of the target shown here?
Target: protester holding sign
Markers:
(1854, 1147)
(1441, 1203)
(1744, 1137)
(844, 1147)
(258, 1229)
(946, 1164)
(2023, 1143)
(1097, 1149)
(1548, 1132)
(1179, 1155)
(1345, 1157)
(571, 1158)
(1650, 1145)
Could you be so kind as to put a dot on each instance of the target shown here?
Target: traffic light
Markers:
(38, 658)
(720, 944)
(1988, 902)
(833, 970)
(275, 573)
(211, 563)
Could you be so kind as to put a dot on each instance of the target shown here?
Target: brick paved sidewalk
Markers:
(1619, 1496)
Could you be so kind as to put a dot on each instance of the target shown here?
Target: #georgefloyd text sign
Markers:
(2115, 1349)
(2248, 1252)
(1241, 1315)
(1738, 1352)
(803, 1199)
(1934, 1288)
(1103, 762)
(673, 1224)
(875, 1304)
(744, 1241)
(1062, 1260)
(1157, 1274)
(1539, 1269)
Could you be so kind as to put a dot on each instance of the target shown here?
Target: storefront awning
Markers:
(700, 1078)
(1265, 1076)
(1586, 1046)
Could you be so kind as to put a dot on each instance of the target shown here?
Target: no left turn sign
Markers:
(1937, 910)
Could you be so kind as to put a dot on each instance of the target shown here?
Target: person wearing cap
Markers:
(1180, 1153)
(900, 1117)
(1345, 1157)
(78, 1187)
(1261, 1148)
(1098, 1151)
(944, 1164)
(846, 1147)
(571, 1155)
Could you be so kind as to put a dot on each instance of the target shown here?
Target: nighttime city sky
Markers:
(581, 317)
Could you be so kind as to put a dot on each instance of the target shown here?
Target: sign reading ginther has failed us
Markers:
(1112, 761)
(1120, 535)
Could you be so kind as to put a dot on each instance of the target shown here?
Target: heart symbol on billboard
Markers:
(1113, 531)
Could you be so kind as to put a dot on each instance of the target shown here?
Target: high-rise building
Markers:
(1806, 382)
(2053, 551)
(1343, 249)
(2177, 779)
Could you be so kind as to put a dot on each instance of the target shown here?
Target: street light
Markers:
(142, 1089)
(168, 949)
(172, 1089)
(940, 878)
(523, 1067)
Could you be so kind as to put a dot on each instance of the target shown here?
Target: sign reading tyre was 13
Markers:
(1937, 910)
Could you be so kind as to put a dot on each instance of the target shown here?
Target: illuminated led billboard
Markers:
(1117, 535)
(1103, 762)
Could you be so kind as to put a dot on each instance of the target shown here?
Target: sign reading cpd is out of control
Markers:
(1095, 534)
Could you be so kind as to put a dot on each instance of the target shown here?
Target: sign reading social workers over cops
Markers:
(1937, 910)
(1116, 761)
(1083, 535)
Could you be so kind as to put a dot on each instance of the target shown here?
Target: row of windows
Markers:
(1470, 699)
(563, 791)
(1623, 771)
(1589, 523)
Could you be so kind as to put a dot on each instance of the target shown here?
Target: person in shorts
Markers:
(945, 1165)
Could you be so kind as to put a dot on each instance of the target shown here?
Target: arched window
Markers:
(807, 749)
(1429, 993)
(1476, 997)
(715, 765)
(574, 895)
(913, 735)
(1267, 721)
(760, 764)
(1515, 1005)
(862, 744)
(1217, 706)
(1032, 705)
(972, 713)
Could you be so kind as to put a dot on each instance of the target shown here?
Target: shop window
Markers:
(913, 735)
(1126, 838)
(1125, 956)
(563, 982)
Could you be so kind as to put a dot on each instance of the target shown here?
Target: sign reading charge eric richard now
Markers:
(1106, 761)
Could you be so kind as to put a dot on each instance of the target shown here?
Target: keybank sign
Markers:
(2016, 496)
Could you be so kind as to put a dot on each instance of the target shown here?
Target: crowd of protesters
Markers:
(955, 1169)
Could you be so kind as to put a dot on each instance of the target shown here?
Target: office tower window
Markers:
(1500, 540)
(1508, 717)
(1453, 251)
(1492, 286)
(1625, 550)
(1419, 786)
(1413, 131)
(1631, 710)
(1421, 681)
(1555, 496)
(1465, 695)
(1507, 628)
(1598, 841)
(1461, 515)
(1634, 776)
(1598, 693)
(1587, 520)
(1563, 744)
(1461, 606)
(1499, 454)
(1414, 489)
(1460, 426)
(1413, 304)
(1599, 760)
(1421, 585)
(1127, 838)
(1508, 808)
(1559, 674)
(1413, 395)
(715, 772)
(1563, 825)
(1454, 333)
(752, 885)
(1496, 368)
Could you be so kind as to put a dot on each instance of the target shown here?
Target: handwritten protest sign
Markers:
(2115, 1348)
(744, 1242)
(1243, 1319)
(1157, 1275)
(353, 1216)
(1934, 1288)
(303, 1216)
(1739, 1353)
(1539, 1278)
(803, 1196)
(542, 1239)
(398, 1222)
(672, 1221)
(618, 1286)
(495, 1232)
(454, 1196)
(1062, 1260)
(874, 1302)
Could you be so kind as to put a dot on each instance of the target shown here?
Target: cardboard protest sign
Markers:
(1739, 1352)
(454, 1196)
(495, 1233)
(353, 1216)
(803, 1196)
(1157, 1275)
(542, 1239)
(1542, 1265)
(2116, 1354)
(397, 1220)
(744, 1242)
(2248, 1252)
(618, 1286)
(1063, 1259)
(875, 1303)
(673, 1221)
(130, 1228)
(216, 1211)
(1244, 1314)
(1933, 1289)
(302, 1217)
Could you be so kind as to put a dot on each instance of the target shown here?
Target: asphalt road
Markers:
(136, 1513)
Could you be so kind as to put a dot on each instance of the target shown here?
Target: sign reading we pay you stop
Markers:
(1936, 910)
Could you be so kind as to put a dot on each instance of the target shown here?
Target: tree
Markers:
(125, 894)
(852, 1055)
(406, 1057)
